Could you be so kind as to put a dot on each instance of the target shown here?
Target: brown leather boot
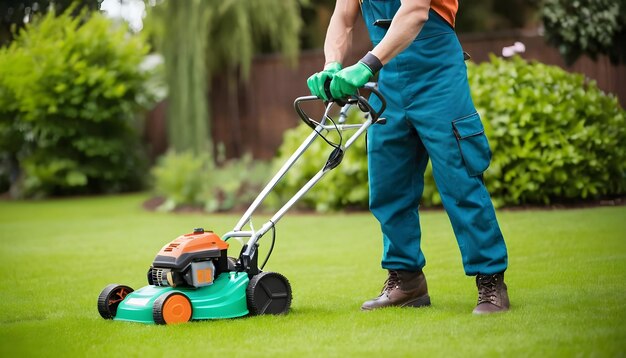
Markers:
(492, 294)
(402, 289)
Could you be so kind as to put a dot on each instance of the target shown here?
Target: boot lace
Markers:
(392, 281)
(487, 286)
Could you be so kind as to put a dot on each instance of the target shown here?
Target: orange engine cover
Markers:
(185, 248)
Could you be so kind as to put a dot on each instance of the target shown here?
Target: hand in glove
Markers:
(346, 81)
(316, 81)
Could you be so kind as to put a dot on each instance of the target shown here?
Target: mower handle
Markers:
(248, 256)
(362, 102)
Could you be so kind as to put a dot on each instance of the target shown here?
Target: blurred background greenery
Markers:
(191, 99)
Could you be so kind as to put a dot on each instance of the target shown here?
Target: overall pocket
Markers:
(473, 144)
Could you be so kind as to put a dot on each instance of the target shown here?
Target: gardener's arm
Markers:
(405, 26)
(336, 45)
(339, 33)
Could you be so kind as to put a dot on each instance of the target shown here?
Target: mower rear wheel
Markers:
(110, 298)
(172, 307)
(268, 293)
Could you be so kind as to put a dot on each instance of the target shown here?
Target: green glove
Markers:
(346, 81)
(316, 82)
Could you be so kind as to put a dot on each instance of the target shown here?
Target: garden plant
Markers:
(70, 88)
(195, 181)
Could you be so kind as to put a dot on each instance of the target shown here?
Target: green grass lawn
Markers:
(567, 283)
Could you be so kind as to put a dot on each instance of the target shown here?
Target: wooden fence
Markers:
(251, 117)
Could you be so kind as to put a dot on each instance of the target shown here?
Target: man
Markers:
(430, 114)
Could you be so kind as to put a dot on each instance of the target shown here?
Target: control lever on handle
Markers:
(362, 102)
(339, 101)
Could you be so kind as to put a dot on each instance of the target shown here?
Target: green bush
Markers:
(187, 179)
(555, 136)
(591, 27)
(69, 92)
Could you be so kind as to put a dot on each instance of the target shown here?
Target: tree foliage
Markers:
(182, 32)
(201, 38)
(241, 29)
(69, 89)
(591, 27)
(494, 15)
(15, 14)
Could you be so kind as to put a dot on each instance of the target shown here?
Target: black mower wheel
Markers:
(268, 293)
(171, 308)
(110, 298)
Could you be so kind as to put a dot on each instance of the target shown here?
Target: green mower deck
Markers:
(225, 298)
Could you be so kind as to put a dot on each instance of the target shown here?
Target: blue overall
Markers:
(430, 114)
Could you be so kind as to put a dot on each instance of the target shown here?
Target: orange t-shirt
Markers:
(446, 8)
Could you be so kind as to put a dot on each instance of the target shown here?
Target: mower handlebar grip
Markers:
(362, 102)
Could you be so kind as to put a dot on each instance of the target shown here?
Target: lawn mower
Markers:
(193, 278)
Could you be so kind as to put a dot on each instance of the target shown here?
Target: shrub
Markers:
(187, 179)
(69, 89)
(181, 178)
(555, 136)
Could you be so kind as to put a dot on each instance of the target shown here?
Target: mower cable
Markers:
(334, 145)
(269, 253)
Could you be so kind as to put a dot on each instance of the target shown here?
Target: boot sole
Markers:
(421, 301)
(488, 312)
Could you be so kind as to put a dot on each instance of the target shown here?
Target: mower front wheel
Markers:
(172, 307)
(110, 298)
(269, 293)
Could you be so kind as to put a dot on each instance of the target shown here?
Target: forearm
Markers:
(404, 28)
(339, 34)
